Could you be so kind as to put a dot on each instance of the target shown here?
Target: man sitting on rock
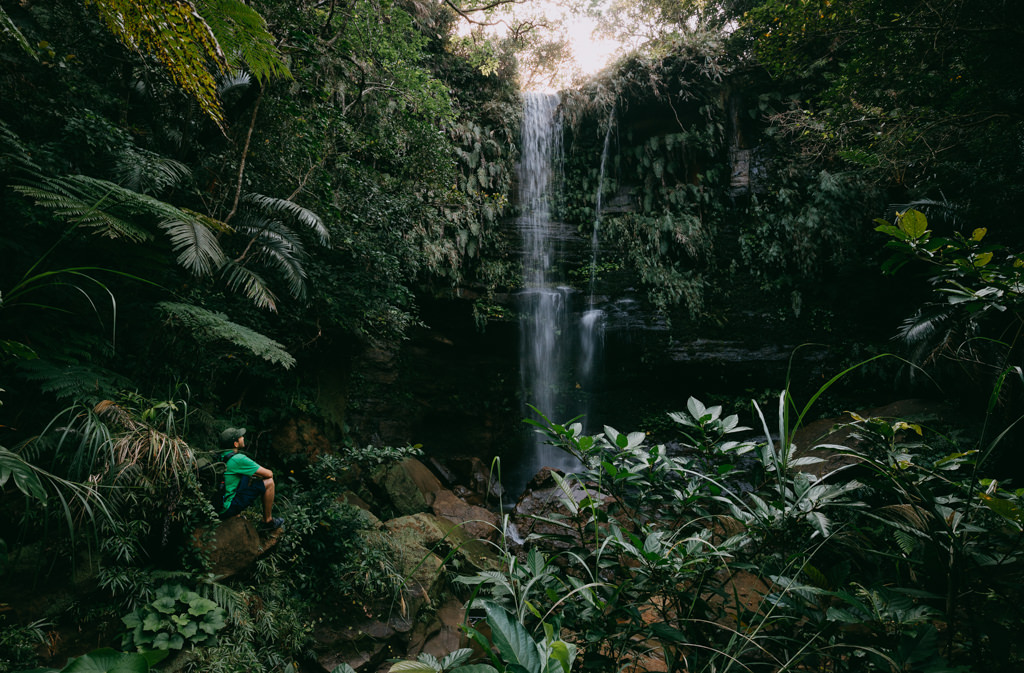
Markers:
(245, 481)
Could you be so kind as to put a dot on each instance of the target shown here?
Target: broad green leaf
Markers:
(456, 658)
(25, 478)
(978, 233)
(887, 228)
(560, 654)
(913, 223)
(152, 622)
(107, 660)
(1004, 508)
(695, 407)
(983, 259)
(512, 639)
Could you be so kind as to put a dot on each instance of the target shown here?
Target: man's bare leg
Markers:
(268, 499)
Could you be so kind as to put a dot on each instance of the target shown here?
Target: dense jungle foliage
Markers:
(216, 212)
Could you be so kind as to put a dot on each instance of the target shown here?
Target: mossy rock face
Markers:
(434, 532)
(409, 485)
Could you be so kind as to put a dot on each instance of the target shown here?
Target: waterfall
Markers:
(545, 324)
(592, 322)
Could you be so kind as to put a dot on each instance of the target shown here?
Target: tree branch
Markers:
(245, 152)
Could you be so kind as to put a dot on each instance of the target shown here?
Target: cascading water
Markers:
(545, 307)
(593, 319)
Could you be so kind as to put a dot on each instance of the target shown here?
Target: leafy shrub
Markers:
(176, 617)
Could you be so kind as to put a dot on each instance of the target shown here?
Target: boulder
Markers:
(350, 498)
(476, 522)
(542, 501)
(431, 531)
(234, 545)
(410, 486)
(442, 634)
(835, 430)
(472, 477)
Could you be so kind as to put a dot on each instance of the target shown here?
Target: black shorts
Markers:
(250, 489)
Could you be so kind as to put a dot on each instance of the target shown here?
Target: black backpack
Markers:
(211, 479)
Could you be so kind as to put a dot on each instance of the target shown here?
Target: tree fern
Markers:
(243, 37)
(178, 37)
(210, 326)
(80, 382)
(147, 172)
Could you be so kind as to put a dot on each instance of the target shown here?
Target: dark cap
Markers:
(230, 436)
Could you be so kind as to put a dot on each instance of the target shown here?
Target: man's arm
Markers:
(264, 473)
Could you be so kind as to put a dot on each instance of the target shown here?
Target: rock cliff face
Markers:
(691, 219)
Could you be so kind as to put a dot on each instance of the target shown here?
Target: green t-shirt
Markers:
(237, 466)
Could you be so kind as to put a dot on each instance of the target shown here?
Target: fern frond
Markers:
(147, 172)
(210, 326)
(906, 541)
(232, 601)
(307, 218)
(13, 151)
(242, 34)
(244, 279)
(78, 382)
(84, 212)
(8, 28)
(177, 36)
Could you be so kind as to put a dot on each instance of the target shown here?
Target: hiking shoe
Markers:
(273, 524)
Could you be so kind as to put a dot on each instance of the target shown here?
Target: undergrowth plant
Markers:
(743, 551)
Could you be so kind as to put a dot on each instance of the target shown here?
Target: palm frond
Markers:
(278, 247)
(198, 249)
(306, 218)
(209, 326)
(79, 502)
(917, 517)
(922, 328)
(137, 448)
(251, 284)
(101, 204)
(242, 34)
(239, 79)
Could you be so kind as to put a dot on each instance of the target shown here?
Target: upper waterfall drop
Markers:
(546, 324)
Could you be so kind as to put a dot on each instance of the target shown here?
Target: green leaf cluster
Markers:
(176, 617)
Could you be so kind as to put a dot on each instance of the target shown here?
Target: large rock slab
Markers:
(234, 545)
(410, 486)
(836, 431)
(475, 521)
(441, 634)
(433, 532)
